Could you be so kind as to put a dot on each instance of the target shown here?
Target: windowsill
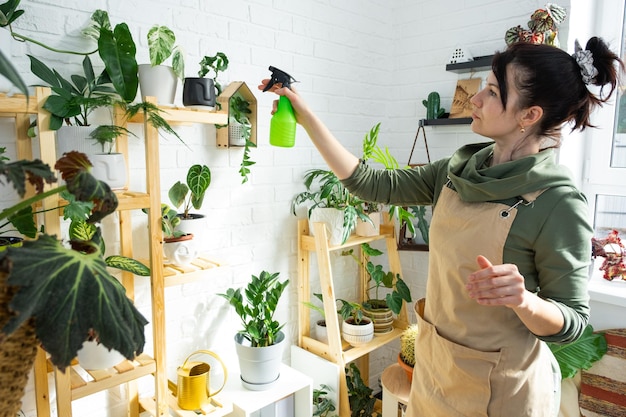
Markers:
(604, 291)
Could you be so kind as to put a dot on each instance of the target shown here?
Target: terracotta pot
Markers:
(17, 355)
(407, 368)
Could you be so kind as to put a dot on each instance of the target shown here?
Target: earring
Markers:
(522, 129)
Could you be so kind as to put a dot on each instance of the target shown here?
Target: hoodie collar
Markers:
(476, 182)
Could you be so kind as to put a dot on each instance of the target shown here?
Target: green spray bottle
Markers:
(283, 123)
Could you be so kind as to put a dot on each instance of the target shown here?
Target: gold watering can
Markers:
(192, 390)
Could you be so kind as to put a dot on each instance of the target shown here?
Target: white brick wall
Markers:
(359, 62)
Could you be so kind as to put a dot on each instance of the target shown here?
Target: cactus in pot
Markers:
(433, 106)
(407, 345)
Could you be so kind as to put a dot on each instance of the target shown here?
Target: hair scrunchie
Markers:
(584, 59)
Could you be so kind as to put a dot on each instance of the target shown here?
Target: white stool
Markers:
(396, 389)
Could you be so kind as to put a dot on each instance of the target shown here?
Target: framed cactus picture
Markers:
(465, 90)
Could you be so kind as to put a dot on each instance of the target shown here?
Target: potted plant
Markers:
(322, 405)
(56, 296)
(201, 91)
(178, 247)
(158, 80)
(356, 329)
(406, 357)
(320, 325)
(75, 99)
(375, 307)
(260, 343)
(360, 396)
(240, 131)
(191, 194)
(371, 151)
(109, 166)
(331, 203)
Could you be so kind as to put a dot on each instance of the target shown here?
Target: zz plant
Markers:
(257, 310)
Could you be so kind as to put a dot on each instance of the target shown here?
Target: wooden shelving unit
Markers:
(69, 383)
(337, 351)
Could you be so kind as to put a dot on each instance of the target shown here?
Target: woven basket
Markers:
(17, 356)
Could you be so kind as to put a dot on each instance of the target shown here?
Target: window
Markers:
(604, 180)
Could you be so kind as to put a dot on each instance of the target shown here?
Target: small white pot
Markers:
(94, 355)
(76, 138)
(180, 251)
(110, 168)
(235, 134)
(321, 332)
(357, 335)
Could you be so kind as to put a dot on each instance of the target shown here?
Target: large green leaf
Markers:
(127, 264)
(177, 194)
(70, 294)
(198, 179)
(160, 44)
(44, 72)
(580, 354)
(117, 50)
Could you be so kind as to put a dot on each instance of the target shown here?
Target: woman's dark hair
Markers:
(549, 77)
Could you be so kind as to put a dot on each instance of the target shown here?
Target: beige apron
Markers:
(473, 360)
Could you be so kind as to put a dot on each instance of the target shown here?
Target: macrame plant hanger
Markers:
(405, 243)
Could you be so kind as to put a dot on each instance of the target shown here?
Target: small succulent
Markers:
(407, 345)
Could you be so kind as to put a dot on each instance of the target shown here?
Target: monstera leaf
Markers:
(70, 295)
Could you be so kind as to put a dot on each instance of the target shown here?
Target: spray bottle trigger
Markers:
(279, 76)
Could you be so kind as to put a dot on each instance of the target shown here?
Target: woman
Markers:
(510, 240)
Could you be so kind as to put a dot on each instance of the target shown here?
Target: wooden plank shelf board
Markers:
(84, 382)
(186, 115)
(132, 200)
(16, 104)
(350, 353)
(177, 275)
(308, 242)
(217, 407)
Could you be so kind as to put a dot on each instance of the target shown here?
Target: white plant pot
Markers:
(198, 226)
(366, 229)
(181, 251)
(159, 81)
(76, 138)
(110, 168)
(333, 219)
(235, 133)
(357, 335)
(94, 355)
(259, 366)
(321, 331)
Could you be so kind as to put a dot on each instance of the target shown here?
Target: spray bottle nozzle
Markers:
(279, 76)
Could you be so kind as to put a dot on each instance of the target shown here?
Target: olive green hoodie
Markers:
(550, 239)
